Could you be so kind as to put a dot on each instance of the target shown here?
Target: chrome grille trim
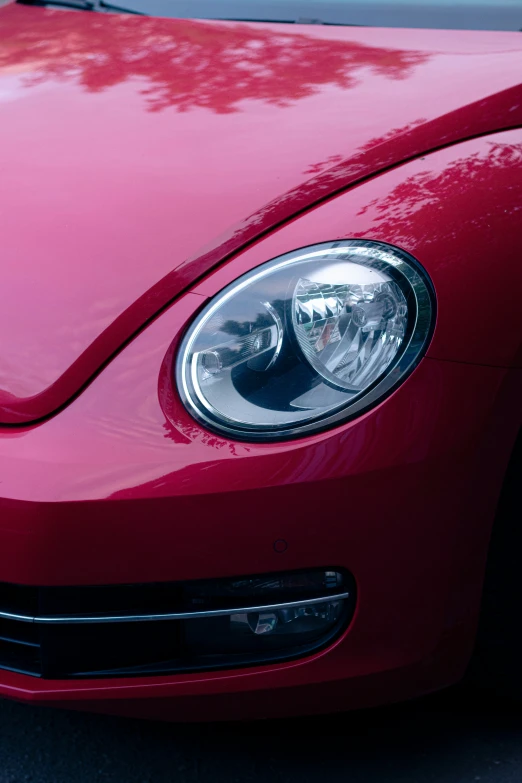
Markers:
(140, 618)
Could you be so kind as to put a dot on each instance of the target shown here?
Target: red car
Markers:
(260, 354)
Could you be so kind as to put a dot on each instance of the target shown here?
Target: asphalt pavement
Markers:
(447, 738)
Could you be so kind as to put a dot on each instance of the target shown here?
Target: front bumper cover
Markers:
(114, 491)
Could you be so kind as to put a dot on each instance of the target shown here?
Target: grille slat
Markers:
(20, 657)
(13, 640)
(19, 647)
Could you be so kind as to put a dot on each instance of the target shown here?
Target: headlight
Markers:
(306, 340)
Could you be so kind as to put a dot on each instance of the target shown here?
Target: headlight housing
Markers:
(306, 340)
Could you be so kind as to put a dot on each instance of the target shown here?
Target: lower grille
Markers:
(131, 630)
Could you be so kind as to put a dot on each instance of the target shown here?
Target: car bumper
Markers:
(114, 490)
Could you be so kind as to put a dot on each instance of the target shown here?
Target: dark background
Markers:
(452, 737)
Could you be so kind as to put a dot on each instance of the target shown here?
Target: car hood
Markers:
(137, 153)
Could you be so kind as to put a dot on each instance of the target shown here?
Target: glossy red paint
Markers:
(111, 491)
(127, 173)
(123, 486)
(458, 211)
(417, 485)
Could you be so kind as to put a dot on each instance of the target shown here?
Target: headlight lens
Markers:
(306, 340)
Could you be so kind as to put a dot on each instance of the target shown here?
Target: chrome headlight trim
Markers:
(377, 255)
